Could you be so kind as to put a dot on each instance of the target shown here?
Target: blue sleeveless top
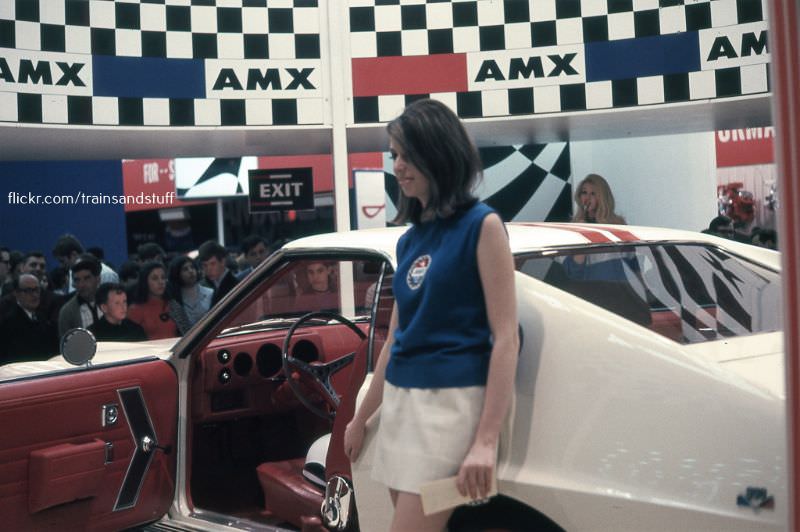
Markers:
(443, 338)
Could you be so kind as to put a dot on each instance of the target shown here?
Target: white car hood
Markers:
(759, 359)
(765, 371)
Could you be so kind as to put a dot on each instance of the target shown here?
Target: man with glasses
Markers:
(25, 333)
(35, 263)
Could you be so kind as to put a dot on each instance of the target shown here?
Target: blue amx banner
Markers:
(148, 77)
(645, 56)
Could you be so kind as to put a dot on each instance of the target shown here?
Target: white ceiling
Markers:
(37, 142)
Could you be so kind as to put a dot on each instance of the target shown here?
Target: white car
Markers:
(649, 396)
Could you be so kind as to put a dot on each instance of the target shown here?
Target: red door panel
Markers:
(64, 465)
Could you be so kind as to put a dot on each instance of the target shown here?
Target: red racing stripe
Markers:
(625, 236)
(421, 74)
(595, 237)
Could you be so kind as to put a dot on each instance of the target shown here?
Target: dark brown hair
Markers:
(435, 141)
(141, 291)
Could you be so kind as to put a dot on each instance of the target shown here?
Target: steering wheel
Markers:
(317, 374)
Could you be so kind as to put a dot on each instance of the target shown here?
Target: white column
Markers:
(337, 15)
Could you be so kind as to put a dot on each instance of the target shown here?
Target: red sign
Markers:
(149, 184)
(745, 147)
(375, 76)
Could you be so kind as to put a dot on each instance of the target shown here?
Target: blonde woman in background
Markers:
(595, 202)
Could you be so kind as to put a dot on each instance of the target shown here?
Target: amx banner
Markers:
(509, 57)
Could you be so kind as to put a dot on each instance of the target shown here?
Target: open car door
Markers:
(90, 448)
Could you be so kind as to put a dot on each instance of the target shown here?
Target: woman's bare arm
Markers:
(496, 268)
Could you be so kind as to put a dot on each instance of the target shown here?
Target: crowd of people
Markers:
(725, 227)
(153, 295)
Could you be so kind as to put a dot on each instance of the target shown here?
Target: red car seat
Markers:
(289, 491)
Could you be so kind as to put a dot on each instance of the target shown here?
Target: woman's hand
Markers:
(353, 439)
(477, 471)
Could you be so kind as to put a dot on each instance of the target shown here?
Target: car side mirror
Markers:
(78, 347)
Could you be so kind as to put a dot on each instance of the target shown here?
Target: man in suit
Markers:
(35, 263)
(217, 276)
(81, 310)
(25, 332)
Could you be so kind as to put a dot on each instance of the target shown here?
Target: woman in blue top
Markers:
(445, 376)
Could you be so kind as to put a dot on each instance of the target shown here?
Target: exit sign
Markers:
(281, 189)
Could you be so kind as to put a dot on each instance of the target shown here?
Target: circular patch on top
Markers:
(417, 271)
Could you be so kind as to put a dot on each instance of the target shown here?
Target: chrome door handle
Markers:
(149, 445)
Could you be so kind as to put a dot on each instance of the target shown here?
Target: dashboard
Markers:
(241, 376)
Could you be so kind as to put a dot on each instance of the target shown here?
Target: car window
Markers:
(306, 285)
(689, 293)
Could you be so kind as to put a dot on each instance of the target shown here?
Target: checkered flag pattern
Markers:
(607, 33)
(239, 29)
(526, 183)
(161, 30)
(165, 32)
(386, 28)
(113, 111)
(712, 309)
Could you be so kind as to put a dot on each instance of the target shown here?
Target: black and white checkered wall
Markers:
(526, 183)
(161, 62)
(489, 58)
(263, 62)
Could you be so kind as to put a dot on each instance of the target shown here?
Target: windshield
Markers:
(688, 293)
(303, 285)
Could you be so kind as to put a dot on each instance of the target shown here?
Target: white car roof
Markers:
(537, 236)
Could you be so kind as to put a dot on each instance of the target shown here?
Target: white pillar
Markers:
(337, 15)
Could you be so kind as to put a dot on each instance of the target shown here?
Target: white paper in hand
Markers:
(440, 495)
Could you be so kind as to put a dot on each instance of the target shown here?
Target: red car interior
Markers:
(64, 466)
(249, 432)
(65, 473)
(288, 495)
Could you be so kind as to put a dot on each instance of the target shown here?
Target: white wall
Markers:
(663, 181)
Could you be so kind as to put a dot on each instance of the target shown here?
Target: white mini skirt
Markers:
(424, 434)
